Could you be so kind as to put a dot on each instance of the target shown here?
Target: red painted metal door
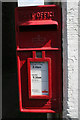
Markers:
(38, 30)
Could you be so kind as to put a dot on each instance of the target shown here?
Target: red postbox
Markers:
(38, 40)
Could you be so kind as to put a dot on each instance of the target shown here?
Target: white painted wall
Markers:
(72, 37)
(70, 60)
(79, 58)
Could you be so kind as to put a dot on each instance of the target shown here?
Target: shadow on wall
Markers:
(10, 98)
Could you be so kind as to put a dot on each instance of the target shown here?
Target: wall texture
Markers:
(72, 37)
(79, 58)
(70, 60)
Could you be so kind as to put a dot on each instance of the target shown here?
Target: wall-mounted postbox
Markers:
(38, 40)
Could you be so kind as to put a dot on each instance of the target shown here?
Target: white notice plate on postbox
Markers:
(39, 78)
(22, 3)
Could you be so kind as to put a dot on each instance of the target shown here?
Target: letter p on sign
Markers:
(22, 3)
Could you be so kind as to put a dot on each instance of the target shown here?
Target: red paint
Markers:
(42, 15)
(43, 59)
(44, 91)
(38, 22)
(39, 29)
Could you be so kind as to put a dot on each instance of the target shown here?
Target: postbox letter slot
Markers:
(38, 25)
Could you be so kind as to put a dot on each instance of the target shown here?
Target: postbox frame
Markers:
(49, 77)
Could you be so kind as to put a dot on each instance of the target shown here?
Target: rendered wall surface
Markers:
(70, 60)
(79, 59)
(72, 37)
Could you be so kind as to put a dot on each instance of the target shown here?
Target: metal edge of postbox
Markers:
(43, 59)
